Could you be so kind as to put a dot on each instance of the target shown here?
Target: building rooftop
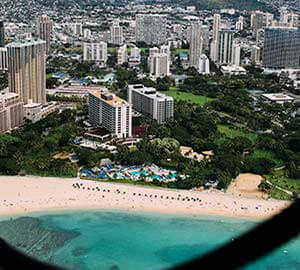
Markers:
(278, 97)
(149, 91)
(232, 69)
(108, 97)
(60, 75)
(4, 96)
(26, 42)
(32, 105)
(79, 80)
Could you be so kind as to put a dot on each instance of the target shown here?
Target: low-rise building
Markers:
(233, 70)
(11, 112)
(203, 64)
(278, 98)
(179, 79)
(36, 111)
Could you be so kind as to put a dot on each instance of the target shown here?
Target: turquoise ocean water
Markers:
(119, 240)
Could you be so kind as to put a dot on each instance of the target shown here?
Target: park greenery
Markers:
(217, 113)
(30, 150)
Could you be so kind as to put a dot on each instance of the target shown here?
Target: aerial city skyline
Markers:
(137, 134)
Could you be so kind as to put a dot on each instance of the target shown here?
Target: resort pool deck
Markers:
(134, 172)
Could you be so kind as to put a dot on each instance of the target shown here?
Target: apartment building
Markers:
(116, 34)
(122, 55)
(159, 65)
(96, 52)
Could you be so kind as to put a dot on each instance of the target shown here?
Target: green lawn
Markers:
(267, 154)
(78, 50)
(279, 179)
(114, 49)
(49, 75)
(178, 95)
(232, 132)
(111, 50)
(178, 51)
(278, 194)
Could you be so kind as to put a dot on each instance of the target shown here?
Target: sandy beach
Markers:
(21, 195)
(246, 185)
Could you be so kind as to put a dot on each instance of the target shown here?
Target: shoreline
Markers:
(21, 195)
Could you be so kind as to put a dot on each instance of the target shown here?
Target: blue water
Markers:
(139, 172)
(155, 176)
(112, 240)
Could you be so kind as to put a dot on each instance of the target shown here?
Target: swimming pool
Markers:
(156, 177)
(144, 172)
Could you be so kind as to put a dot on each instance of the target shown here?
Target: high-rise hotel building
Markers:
(44, 28)
(281, 48)
(111, 112)
(148, 101)
(11, 112)
(27, 70)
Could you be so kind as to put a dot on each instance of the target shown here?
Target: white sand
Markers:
(20, 195)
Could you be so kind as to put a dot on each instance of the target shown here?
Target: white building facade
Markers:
(110, 112)
(96, 52)
(148, 101)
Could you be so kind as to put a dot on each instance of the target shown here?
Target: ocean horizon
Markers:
(124, 240)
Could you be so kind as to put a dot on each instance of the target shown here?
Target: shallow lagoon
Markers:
(112, 240)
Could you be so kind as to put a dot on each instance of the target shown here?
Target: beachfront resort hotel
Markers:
(110, 112)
